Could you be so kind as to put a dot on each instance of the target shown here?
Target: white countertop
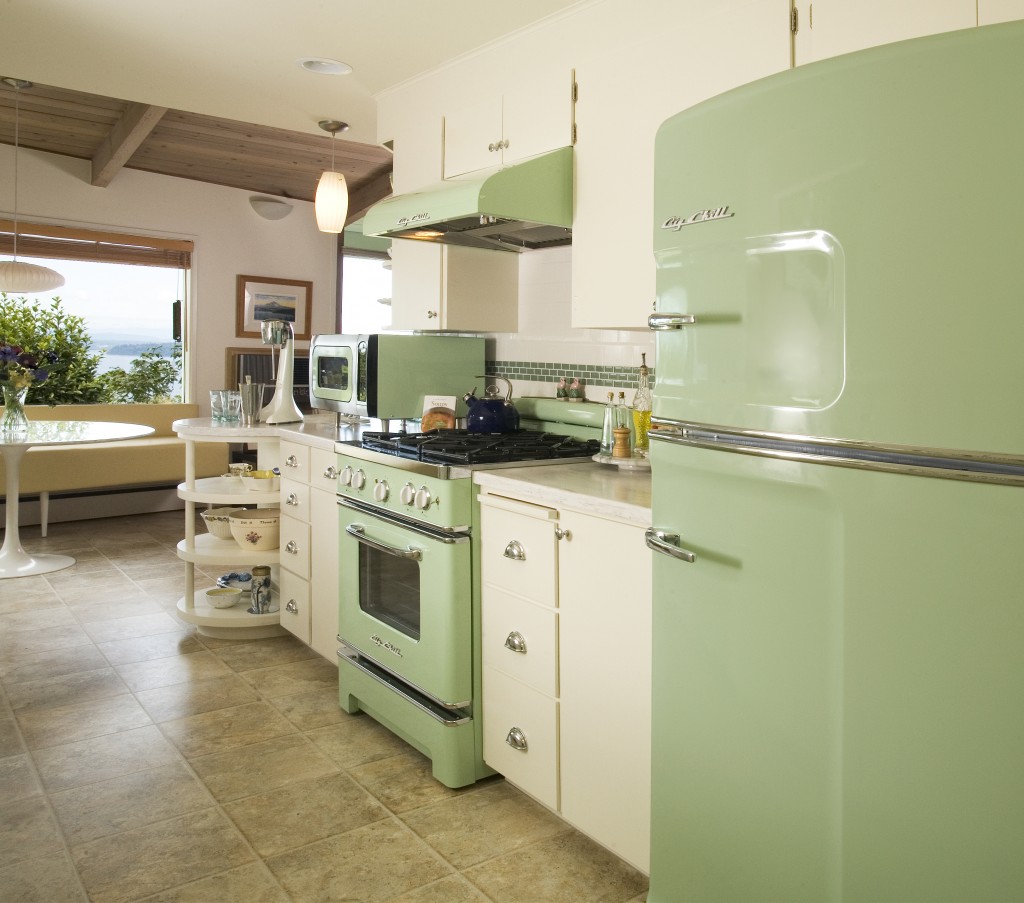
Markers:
(590, 488)
(320, 431)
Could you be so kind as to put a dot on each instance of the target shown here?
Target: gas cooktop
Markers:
(468, 448)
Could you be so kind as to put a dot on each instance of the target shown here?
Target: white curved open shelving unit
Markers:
(206, 549)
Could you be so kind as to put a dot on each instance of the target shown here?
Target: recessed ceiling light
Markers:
(322, 66)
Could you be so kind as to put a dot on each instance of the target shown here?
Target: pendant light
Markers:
(331, 203)
(15, 275)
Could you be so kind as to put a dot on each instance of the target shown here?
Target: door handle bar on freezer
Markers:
(670, 321)
(667, 544)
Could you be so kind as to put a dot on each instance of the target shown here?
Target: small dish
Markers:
(261, 481)
(236, 579)
(223, 597)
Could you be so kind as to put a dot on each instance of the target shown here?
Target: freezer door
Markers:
(837, 680)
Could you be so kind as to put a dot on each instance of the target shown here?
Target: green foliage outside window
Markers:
(73, 377)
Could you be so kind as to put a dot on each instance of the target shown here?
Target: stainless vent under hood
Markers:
(521, 207)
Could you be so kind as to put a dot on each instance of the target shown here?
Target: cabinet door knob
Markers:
(292, 499)
(562, 534)
(431, 314)
(292, 547)
(331, 473)
(515, 551)
(291, 461)
(292, 607)
(516, 642)
(517, 740)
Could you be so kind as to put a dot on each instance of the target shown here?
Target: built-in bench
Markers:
(153, 461)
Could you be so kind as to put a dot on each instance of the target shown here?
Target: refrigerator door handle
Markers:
(663, 322)
(667, 544)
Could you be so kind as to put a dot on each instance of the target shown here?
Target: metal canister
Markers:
(260, 591)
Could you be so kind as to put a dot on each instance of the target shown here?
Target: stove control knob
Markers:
(358, 478)
(381, 490)
(345, 477)
(407, 494)
(423, 498)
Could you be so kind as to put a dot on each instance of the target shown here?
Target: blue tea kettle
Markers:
(492, 413)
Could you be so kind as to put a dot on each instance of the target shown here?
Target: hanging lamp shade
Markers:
(331, 204)
(26, 278)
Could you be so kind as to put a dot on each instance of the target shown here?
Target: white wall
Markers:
(230, 240)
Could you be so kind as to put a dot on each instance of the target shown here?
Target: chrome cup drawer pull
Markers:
(515, 551)
(291, 461)
(516, 642)
(292, 607)
(331, 473)
(517, 740)
(292, 500)
(292, 547)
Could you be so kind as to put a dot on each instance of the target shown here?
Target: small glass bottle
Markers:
(610, 422)
(642, 406)
(624, 419)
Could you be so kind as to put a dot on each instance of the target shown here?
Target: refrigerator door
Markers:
(845, 238)
(837, 684)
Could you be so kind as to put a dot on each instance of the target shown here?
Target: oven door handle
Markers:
(358, 531)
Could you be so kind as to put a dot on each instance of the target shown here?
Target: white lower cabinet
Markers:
(566, 639)
(309, 546)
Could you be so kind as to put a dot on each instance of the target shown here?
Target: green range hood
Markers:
(517, 208)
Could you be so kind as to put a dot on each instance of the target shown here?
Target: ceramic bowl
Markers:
(258, 530)
(261, 481)
(216, 520)
(223, 597)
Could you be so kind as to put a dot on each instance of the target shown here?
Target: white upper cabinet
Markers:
(533, 115)
(687, 55)
(453, 288)
(832, 27)
(992, 11)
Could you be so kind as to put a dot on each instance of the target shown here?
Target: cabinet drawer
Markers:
(509, 706)
(323, 468)
(295, 499)
(294, 601)
(295, 462)
(520, 639)
(295, 546)
(518, 551)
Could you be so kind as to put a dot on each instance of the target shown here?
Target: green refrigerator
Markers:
(838, 469)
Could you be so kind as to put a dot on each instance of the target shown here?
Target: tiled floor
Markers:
(141, 761)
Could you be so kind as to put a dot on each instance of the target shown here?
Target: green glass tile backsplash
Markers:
(546, 372)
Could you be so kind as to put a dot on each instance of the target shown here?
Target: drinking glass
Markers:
(232, 406)
(217, 398)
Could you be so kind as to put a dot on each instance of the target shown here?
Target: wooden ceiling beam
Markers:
(123, 140)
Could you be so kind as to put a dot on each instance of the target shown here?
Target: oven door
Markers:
(406, 601)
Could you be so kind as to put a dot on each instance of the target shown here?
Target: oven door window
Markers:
(389, 590)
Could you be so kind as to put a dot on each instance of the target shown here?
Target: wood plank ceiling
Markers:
(113, 133)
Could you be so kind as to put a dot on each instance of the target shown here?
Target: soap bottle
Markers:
(610, 422)
(642, 406)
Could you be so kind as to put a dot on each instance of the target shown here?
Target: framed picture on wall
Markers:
(260, 298)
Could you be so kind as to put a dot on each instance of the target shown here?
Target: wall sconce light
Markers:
(331, 204)
(270, 208)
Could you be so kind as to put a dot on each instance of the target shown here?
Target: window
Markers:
(365, 283)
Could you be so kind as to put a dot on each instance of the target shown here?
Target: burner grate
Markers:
(465, 447)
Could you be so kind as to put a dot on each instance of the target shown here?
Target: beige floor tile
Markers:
(30, 600)
(224, 729)
(54, 663)
(101, 581)
(296, 677)
(140, 625)
(356, 740)
(566, 867)
(127, 802)
(262, 767)
(163, 672)
(10, 736)
(308, 711)
(453, 889)
(27, 830)
(24, 588)
(46, 879)
(487, 822)
(251, 883)
(17, 779)
(144, 648)
(69, 724)
(370, 864)
(25, 642)
(37, 619)
(160, 856)
(195, 697)
(113, 609)
(259, 653)
(402, 782)
(65, 690)
(102, 758)
(302, 813)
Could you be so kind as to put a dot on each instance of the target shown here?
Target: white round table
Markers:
(14, 560)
